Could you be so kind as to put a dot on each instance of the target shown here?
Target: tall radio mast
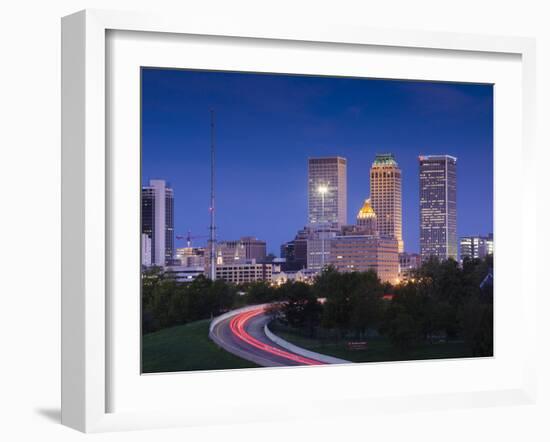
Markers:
(212, 200)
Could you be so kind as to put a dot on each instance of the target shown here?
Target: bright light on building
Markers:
(322, 189)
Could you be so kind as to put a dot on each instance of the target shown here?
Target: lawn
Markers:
(186, 347)
(378, 349)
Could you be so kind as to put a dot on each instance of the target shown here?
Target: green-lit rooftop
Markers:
(385, 159)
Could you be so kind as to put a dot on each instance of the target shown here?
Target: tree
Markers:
(366, 303)
(477, 323)
(403, 331)
(259, 292)
(300, 308)
(223, 297)
(335, 288)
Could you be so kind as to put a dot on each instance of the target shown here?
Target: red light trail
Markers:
(237, 326)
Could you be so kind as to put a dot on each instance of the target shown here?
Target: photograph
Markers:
(305, 220)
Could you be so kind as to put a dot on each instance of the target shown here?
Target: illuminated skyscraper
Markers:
(438, 207)
(327, 191)
(157, 221)
(366, 219)
(385, 191)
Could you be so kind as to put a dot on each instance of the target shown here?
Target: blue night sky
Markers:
(268, 125)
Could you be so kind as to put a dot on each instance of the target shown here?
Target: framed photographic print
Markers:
(313, 257)
(318, 220)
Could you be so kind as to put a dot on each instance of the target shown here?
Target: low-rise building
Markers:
(191, 256)
(240, 250)
(474, 247)
(304, 275)
(360, 253)
(183, 274)
(244, 272)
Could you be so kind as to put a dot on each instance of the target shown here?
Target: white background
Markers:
(30, 232)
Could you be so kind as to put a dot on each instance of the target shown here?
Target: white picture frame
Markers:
(86, 352)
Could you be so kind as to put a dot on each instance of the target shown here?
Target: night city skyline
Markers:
(267, 126)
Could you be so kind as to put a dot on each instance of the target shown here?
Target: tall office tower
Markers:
(366, 219)
(438, 207)
(157, 220)
(385, 191)
(327, 191)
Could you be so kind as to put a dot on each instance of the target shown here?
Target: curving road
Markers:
(243, 335)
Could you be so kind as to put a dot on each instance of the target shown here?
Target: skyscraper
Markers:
(438, 206)
(385, 191)
(157, 220)
(327, 191)
(366, 219)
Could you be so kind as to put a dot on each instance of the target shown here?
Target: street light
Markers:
(322, 189)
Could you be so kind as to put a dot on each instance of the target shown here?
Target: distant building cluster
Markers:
(476, 247)
(371, 243)
(374, 241)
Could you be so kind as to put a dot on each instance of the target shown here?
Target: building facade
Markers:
(184, 274)
(408, 263)
(359, 253)
(254, 248)
(304, 275)
(295, 251)
(191, 256)
(157, 220)
(366, 219)
(230, 252)
(318, 245)
(146, 250)
(327, 191)
(476, 247)
(438, 207)
(243, 273)
(240, 250)
(385, 188)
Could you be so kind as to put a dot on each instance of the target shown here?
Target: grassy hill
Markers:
(379, 348)
(186, 347)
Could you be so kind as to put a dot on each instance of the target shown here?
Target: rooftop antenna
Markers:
(212, 199)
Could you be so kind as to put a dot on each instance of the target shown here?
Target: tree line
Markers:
(440, 300)
(166, 302)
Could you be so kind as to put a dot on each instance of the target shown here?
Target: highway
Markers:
(243, 335)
